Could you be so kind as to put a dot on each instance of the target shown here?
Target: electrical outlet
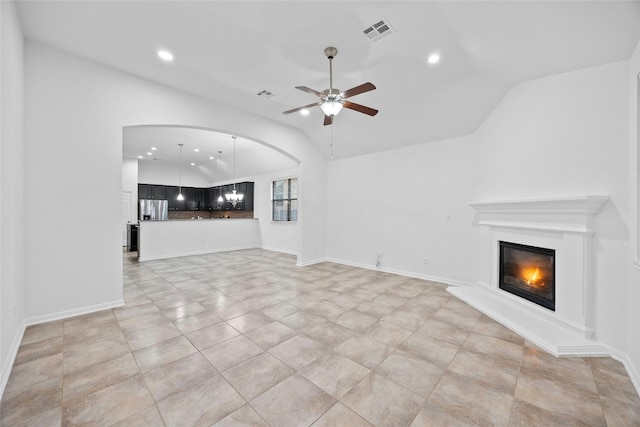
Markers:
(425, 260)
(379, 260)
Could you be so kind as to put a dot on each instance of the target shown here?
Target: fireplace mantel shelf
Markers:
(589, 205)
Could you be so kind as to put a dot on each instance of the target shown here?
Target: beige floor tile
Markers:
(444, 331)
(410, 371)
(438, 352)
(50, 418)
(559, 397)
(383, 402)
(256, 375)
(290, 340)
(231, 352)
(298, 351)
(30, 401)
(364, 350)
(467, 400)
(99, 376)
(250, 321)
(34, 371)
(339, 415)
(329, 333)
(42, 331)
(271, 334)
(149, 417)
(152, 335)
(164, 352)
(211, 335)
(334, 373)
(178, 375)
(200, 405)
(293, 402)
(355, 320)
(495, 371)
(82, 357)
(39, 349)
(109, 405)
(246, 416)
(388, 332)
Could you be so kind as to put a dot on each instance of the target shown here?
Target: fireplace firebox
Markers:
(528, 272)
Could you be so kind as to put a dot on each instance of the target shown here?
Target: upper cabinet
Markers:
(199, 199)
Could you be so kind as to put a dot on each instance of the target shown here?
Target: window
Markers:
(284, 199)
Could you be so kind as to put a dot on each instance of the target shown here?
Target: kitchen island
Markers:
(176, 238)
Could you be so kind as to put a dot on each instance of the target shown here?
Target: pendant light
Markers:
(220, 199)
(233, 197)
(180, 196)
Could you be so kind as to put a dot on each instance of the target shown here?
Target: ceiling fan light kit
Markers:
(333, 100)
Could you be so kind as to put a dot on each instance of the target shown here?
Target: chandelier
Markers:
(234, 198)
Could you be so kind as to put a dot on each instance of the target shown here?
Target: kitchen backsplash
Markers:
(209, 214)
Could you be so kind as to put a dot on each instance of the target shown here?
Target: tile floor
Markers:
(246, 338)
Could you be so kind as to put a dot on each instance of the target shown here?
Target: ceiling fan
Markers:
(332, 100)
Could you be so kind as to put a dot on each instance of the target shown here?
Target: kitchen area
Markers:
(203, 220)
(195, 191)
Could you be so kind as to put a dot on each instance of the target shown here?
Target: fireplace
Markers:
(528, 272)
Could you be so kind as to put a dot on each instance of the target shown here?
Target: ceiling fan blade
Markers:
(328, 120)
(309, 90)
(360, 108)
(365, 87)
(315, 104)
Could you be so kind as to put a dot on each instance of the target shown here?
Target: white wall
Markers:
(75, 113)
(130, 183)
(11, 187)
(276, 236)
(167, 174)
(633, 300)
(567, 135)
(409, 204)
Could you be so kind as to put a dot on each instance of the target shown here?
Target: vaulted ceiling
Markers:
(230, 51)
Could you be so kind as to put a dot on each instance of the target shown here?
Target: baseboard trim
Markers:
(444, 280)
(282, 251)
(632, 371)
(311, 262)
(73, 313)
(11, 357)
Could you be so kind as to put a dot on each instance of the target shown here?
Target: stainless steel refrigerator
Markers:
(153, 210)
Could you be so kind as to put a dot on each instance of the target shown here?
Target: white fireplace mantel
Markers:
(567, 225)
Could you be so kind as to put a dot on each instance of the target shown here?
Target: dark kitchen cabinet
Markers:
(150, 191)
(199, 199)
(172, 197)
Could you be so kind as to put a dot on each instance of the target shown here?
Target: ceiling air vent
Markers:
(265, 94)
(378, 31)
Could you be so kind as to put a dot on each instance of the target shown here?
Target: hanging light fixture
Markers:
(233, 197)
(180, 196)
(220, 199)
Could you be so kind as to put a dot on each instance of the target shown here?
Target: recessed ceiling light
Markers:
(304, 112)
(210, 157)
(434, 58)
(153, 148)
(165, 55)
(149, 153)
(141, 157)
(196, 150)
(193, 164)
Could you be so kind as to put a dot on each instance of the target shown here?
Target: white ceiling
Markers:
(251, 158)
(229, 51)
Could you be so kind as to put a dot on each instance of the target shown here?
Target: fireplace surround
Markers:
(567, 226)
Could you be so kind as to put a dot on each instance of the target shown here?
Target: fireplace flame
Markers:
(533, 278)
